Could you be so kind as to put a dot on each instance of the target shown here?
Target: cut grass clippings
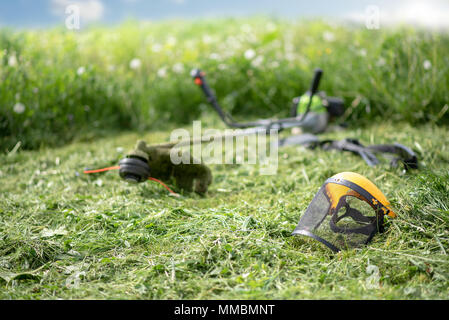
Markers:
(67, 235)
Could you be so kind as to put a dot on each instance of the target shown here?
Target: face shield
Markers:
(344, 214)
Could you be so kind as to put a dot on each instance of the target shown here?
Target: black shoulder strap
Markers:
(353, 146)
(404, 154)
(368, 153)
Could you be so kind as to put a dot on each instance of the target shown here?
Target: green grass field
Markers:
(55, 83)
(75, 100)
(73, 236)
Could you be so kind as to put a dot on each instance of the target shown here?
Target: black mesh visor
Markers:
(350, 223)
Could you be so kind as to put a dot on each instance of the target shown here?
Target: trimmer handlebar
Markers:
(315, 82)
(200, 80)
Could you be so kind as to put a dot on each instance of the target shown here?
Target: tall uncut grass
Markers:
(57, 83)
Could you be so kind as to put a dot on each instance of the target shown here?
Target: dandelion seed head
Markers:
(257, 62)
(162, 72)
(249, 54)
(19, 108)
(135, 63)
(328, 36)
(80, 70)
(12, 60)
(178, 67)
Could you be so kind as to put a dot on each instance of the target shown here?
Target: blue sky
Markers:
(48, 13)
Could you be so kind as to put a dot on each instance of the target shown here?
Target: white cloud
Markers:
(426, 14)
(429, 14)
(90, 10)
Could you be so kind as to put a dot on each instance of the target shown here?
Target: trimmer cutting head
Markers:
(134, 169)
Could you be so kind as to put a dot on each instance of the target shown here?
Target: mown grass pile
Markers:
(57, 83)
(68, 235)
(64, 234)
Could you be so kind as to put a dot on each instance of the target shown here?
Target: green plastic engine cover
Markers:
(317, 105)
